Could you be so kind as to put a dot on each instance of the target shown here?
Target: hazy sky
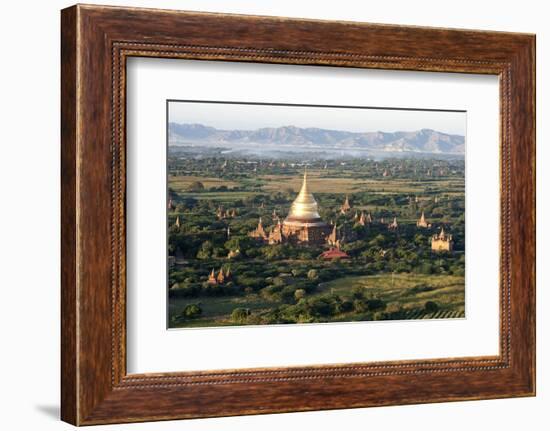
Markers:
(251, 117)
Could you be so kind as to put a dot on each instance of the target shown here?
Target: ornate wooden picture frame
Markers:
(96, 41)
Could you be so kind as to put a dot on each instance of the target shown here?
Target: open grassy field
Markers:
(326, 183)
(407, 292)
(217, 310)
(322, 182)
(181, 183)
(316, 182)
(221, 197)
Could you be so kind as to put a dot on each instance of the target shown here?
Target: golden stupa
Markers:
(304, 206)
(303, 223)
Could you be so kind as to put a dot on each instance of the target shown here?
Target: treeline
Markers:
(230, 167)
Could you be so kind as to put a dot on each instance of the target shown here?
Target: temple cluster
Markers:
(304, 225)
(221, 278)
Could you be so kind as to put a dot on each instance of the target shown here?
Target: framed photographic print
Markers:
(259, 221)
(287, 215)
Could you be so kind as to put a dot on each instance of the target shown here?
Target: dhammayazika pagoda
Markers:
(303, 223)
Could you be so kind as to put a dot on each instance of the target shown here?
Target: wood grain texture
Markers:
(96, 41)
(69, 397)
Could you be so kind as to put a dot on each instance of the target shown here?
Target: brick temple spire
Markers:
(345, 206)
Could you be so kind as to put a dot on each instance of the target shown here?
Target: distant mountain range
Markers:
(425, 141)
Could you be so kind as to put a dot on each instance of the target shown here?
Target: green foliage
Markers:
(191, 311)
(190, 290)
(270, 292)
(279, 281)
(274, 252)
(420, 288)
(346, 306)
(195, 186)
(287, 294)
(378, 241)
(299, 294)
(358, 292)
(431, 307)
(424, 268)
(205, 251)
(359, 305)
(239, 242)
(312, 274)
(240, 315)
(375, 304)
(320, 307)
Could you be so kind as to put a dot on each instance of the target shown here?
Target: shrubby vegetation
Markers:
(286, 283)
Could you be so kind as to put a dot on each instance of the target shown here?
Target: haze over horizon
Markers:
(251, 117)
(294, 139)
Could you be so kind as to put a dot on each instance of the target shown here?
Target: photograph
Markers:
(299, 214)
(228, 215)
